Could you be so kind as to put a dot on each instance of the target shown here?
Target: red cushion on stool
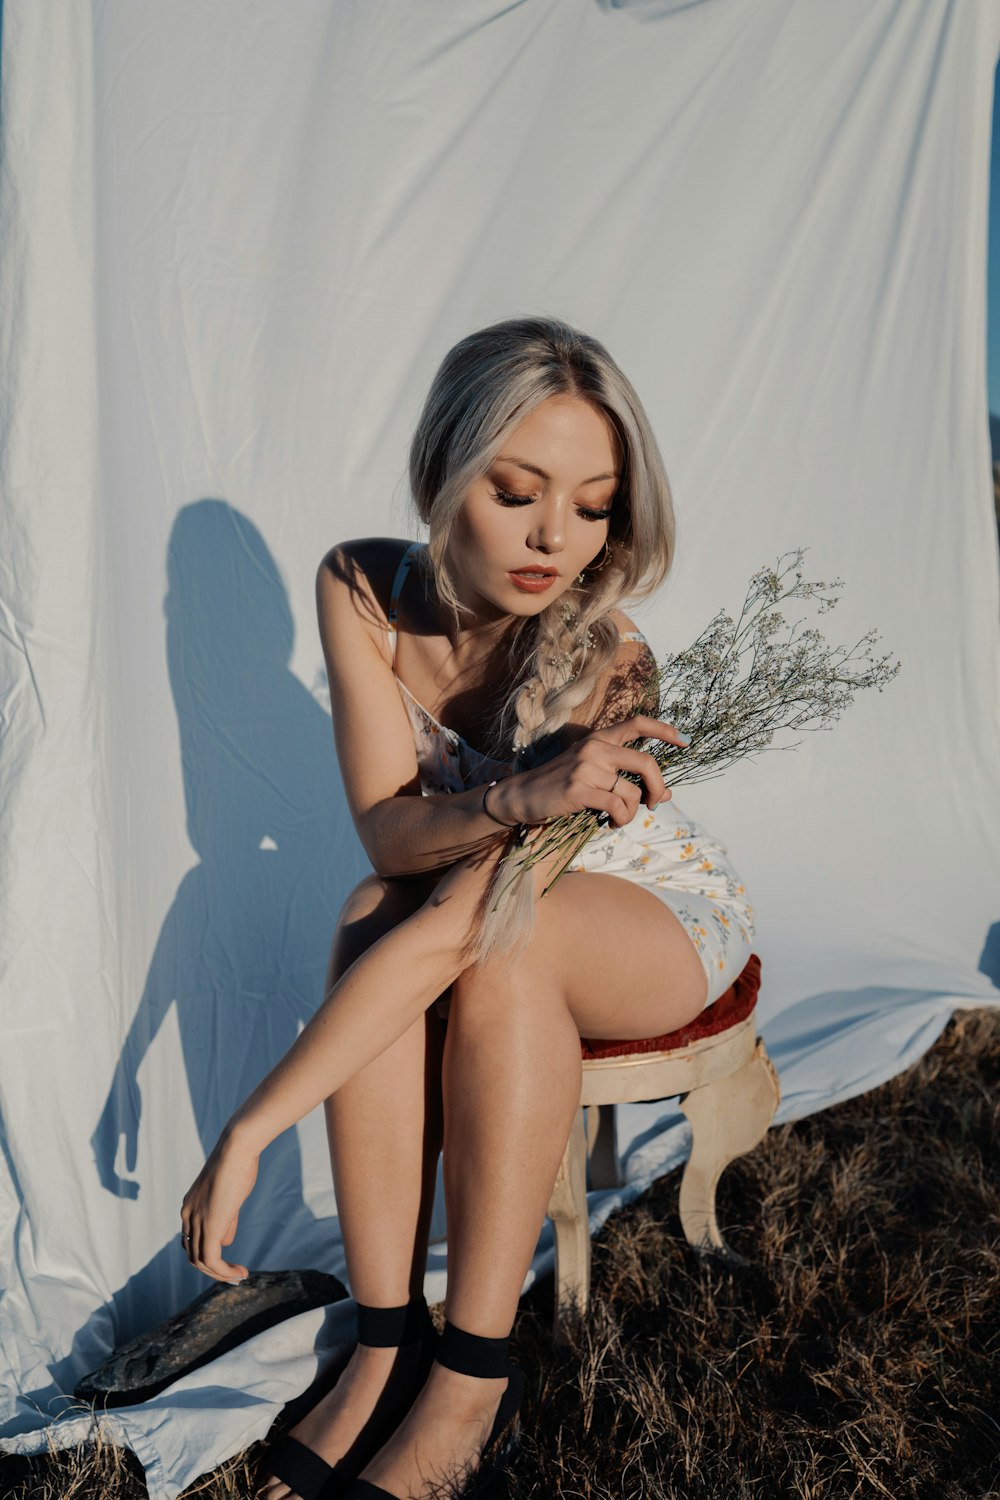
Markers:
(732, 1006)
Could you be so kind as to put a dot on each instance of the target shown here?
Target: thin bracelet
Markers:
(486, 810)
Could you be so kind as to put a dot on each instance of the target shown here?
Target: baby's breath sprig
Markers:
(731, 691)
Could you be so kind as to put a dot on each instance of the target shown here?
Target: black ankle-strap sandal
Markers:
(312, 1477)
(472, 1354)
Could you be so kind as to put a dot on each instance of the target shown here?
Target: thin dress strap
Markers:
(402, 568)
(631, 635)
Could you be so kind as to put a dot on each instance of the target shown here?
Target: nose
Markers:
(548, 534)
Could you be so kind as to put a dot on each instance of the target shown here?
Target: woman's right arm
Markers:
(403, 832)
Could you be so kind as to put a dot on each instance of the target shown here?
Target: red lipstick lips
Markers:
(532, 580)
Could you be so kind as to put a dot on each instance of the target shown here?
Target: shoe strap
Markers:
(472, 1353)
(387, 1327)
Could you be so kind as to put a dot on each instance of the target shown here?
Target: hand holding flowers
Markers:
(589, 775)
(731, 691)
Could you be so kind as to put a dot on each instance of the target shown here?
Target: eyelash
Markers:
(506, 498)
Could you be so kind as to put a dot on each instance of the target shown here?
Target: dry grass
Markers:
(858, 1357)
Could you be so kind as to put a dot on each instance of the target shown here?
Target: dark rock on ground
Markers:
(217, 1321)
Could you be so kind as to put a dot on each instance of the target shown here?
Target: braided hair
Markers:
(487, 384)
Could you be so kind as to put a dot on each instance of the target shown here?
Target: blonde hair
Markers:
(485, 386)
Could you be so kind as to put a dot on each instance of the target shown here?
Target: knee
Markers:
(395, 897)
(502, 983)
(374, 907)
(366, 897)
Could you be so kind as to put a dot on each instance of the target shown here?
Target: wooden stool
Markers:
(729, 1091)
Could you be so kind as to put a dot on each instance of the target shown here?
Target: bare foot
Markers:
(440, 1439)
(331, 1427)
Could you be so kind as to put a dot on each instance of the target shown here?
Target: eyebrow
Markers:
(522, 463)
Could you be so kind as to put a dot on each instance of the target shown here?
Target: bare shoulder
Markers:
(629, 684)
(375, 745)
(624, 625)
(353, 584)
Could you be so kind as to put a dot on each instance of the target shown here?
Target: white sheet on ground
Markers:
(237, 241)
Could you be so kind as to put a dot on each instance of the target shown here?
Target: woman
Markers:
(497, 690)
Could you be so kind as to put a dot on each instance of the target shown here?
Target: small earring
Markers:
(606, 558)
(580, 579)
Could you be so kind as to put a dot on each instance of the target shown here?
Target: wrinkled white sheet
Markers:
(237, 240)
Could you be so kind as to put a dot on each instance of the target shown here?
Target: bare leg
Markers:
(606, 957)
(385, 1125)
(385, 991)
(512, 1087)
(385, 1130)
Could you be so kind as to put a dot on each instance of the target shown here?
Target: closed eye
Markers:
(507, 497)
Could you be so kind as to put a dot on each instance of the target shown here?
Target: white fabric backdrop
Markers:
(237, 240)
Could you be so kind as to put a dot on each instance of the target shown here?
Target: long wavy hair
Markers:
(487, 384)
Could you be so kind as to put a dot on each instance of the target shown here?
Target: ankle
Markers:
(473, 1353)
(374, 1357)
(394, 1327)
(465, 1397)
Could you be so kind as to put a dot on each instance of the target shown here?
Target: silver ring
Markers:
(185, 1236)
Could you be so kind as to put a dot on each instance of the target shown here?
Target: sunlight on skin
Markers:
(561, 464)
(355, 1023)
(544, 503)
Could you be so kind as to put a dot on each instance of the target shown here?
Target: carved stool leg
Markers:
(568, 1212)
(602, 1140)
(728, 1117)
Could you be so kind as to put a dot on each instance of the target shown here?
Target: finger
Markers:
(619, 802)
(641, 724)
(627, 797)
(199, 1262)
(614, 758)
(631, 795)
(221, 1269)
(194, 1243)
(205, 1253)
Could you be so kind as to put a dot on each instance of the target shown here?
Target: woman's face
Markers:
(539, 514)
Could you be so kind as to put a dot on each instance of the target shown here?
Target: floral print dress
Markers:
(662, 848)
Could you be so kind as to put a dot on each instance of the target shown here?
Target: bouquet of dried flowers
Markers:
(731, 691)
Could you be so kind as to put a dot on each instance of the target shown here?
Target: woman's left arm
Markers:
(379, 997)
